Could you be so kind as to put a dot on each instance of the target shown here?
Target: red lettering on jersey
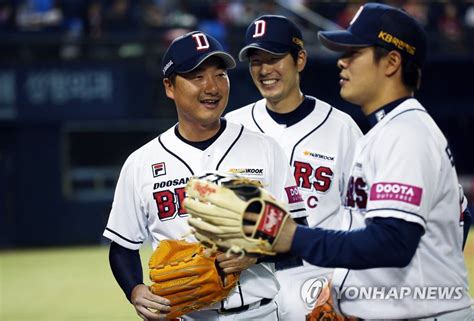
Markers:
(201, 41)
(180, 195)
(356, 193)
(169, 204)
(323, 177)
(312, 201)
(260, 27)
(302, 174)
(165, 202)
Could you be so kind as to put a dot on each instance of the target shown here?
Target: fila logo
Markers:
(158, 169)
(201, 41)
(260, 27)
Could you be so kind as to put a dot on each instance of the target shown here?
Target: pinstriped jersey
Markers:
(319, 149)
(403, 168)
(150, 190)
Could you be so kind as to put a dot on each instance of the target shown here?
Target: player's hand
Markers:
(287, 233)
(235, 263)
(149, 307)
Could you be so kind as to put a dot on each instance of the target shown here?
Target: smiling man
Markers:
(318, 140)
(150, 190)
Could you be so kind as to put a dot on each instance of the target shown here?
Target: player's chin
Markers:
(270, 93)
(212, 113)
(345, 94)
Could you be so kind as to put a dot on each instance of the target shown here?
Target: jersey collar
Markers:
(380, 113)
(304, 109)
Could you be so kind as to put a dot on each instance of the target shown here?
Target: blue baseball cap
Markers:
(274, 34)
(188, 51)
(380, 25)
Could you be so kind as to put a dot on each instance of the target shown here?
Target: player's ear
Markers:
(169, 87)
(393, 63)
(301, 60)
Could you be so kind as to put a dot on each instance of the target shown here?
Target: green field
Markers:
(70, 284)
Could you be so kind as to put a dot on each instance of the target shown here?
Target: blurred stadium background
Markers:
(80, 88)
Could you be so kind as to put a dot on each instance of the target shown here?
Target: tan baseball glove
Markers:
(216, 205)
(187, 274)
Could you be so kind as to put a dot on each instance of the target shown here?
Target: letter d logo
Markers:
(201, 41)
(260, 27)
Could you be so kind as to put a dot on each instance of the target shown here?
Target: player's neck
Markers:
(384, 98)
(286, 105)
(196, 132)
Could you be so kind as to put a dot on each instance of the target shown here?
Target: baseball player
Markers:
(318, 140)
(150, 190)
(403, 257)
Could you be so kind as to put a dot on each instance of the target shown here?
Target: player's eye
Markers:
(349, 54)
(255, 62)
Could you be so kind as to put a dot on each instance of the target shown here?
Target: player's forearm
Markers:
(126, 268)
(387, 242)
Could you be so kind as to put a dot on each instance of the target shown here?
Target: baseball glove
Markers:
(187, 274)
(217, 204)
(324, 308)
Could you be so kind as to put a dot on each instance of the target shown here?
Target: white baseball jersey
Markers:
(150, 191)
(320, 149)
(403, 169)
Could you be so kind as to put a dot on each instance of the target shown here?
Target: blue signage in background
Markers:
(7, 94)
(75, 92)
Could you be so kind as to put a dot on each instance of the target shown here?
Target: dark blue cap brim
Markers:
(341, 40)
(270, 47)
(192, 64)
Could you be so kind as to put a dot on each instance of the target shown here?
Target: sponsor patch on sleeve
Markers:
(385, 191)
(293, 194)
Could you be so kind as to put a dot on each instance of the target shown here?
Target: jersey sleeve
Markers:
(127, 220)
(284, 185)
(403, 161)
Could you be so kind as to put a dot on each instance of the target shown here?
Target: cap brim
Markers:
(228, 60)
(341, 40)
(273, 48)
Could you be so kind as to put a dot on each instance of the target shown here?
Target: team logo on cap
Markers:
(201, 41)
(158, 169)
(260, 28)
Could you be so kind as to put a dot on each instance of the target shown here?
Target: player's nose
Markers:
(342, 63)
(210, 85)
(265, 68)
